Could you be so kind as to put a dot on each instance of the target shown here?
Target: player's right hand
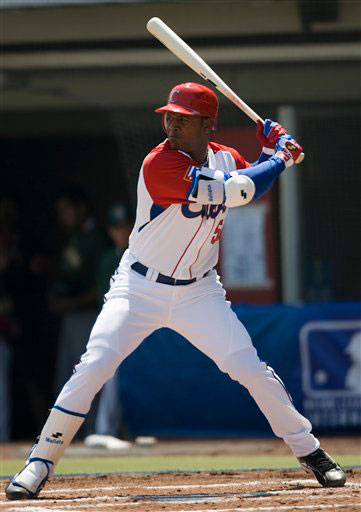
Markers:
(288, 150)
(269, 132)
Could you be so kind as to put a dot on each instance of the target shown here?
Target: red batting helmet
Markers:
(192, 99)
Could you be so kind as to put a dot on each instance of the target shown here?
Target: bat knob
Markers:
(300, 158)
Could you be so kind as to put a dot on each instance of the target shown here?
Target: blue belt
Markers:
(161, 278)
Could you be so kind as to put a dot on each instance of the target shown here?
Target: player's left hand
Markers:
(269, 132)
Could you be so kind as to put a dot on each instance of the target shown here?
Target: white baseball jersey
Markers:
(172, 235)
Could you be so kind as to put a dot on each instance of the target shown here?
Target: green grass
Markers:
(163, 463)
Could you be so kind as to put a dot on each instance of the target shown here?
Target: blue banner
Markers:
(169, 388)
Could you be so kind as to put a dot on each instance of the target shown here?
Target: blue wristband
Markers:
(264, 174)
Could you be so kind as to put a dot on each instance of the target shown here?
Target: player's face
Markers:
(187, 133)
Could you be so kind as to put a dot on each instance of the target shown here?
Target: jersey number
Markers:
(217, 232)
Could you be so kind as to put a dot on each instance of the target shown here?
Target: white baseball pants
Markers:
(136, 306)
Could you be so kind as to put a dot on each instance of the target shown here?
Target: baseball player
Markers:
(166, 278)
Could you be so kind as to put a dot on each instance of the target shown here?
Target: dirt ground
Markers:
(190, 492)
(216, 491)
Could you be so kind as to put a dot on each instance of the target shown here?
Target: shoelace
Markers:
(323, 462)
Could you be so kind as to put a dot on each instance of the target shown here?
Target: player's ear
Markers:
(208, 125)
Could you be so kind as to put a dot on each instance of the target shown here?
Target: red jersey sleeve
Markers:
(166, 177)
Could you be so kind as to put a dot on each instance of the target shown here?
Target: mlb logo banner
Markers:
(331, 372)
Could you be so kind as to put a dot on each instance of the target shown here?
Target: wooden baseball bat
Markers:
(185, 53)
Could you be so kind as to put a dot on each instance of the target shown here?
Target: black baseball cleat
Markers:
(325, 469)
(27, 484)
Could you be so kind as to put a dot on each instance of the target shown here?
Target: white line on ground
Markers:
(314, 484)
(233, 484)
(205, 486)
(87, 489)
(64, 500)
(65, 508)
(35, 509)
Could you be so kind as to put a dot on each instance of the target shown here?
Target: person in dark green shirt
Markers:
(119, 225)
(74, 294)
